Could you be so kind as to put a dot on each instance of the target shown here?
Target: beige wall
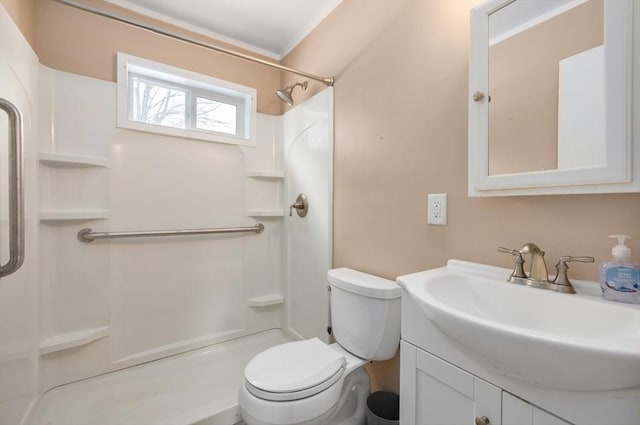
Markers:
(401, 132)
(75, 41)
(23, 13)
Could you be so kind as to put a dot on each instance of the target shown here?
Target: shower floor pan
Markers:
(195, 388)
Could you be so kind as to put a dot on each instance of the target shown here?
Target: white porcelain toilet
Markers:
(309, 382)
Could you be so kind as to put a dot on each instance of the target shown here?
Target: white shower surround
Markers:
(308, 153)
(153, 297)
(78, 310)
(19, 337)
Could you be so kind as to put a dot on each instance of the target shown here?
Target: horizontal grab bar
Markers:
(88, 235)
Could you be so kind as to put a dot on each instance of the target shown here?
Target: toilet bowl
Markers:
(306, 387)
(310, 382)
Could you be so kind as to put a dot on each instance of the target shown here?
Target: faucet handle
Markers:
(562, 278)
(518, 270)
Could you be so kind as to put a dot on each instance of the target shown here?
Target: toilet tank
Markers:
(365, 313)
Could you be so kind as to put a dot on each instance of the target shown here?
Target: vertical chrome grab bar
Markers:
(16, 200)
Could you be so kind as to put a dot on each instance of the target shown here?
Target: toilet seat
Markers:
(258, 410)
(294, 371)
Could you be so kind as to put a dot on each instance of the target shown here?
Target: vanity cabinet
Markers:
(435, 392)
(468, 351)
(516, 411)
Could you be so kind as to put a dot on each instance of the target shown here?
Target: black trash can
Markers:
(383, 408)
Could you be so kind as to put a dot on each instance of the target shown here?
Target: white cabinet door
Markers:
(516, 411)
(434, 392)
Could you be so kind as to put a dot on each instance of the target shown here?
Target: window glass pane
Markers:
(166, 100)
(154, 103)
(216, 116)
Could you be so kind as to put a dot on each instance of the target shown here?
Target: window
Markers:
(162, 99)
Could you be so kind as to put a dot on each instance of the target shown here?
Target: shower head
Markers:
(285, 93)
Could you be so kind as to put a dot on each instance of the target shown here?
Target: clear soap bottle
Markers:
(620, 277)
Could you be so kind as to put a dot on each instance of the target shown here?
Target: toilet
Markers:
(310, 382)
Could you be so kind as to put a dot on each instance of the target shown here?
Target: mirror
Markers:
(550, 103)
(561, 101)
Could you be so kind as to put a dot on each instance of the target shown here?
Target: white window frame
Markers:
(195, 85)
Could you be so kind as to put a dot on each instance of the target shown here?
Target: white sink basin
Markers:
(566, 341)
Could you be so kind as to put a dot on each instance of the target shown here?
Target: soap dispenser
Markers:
(620, 277)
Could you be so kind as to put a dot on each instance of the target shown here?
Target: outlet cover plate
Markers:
(437, 209)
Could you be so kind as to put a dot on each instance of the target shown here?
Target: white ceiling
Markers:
(269, 27)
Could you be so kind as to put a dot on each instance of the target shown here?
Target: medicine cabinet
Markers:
(554, 97)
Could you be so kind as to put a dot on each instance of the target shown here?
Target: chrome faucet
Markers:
(538, 276)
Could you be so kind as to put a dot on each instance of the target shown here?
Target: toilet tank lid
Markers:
(364, 284)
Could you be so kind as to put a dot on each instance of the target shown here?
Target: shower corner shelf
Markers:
(73, 339)
(265, 213)
(265, 300)
(73, 215)
(72, 161)
(267, 175)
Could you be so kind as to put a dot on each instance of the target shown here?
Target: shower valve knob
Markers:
(301, 205)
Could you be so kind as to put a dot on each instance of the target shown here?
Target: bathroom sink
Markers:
(565, 341)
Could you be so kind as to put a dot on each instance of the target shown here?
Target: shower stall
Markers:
(119, 330)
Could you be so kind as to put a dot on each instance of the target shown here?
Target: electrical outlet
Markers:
(437, 208)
